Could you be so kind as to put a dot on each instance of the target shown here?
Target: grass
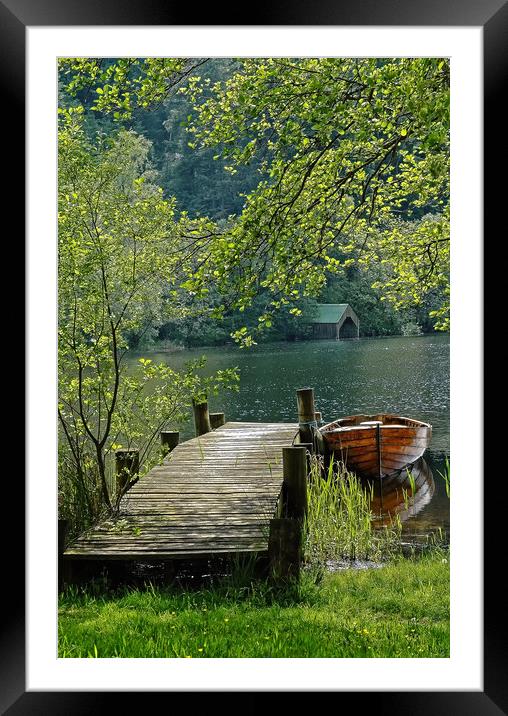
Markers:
(400, 610)
(446, 476)
(340, 521)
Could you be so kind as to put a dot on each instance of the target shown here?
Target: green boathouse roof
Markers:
(330, 312)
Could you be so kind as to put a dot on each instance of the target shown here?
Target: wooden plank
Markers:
(205, 545)
(207, 503)
(231, 478)
(172, 540)
(131, 529)
(147, 556)
(177, 543)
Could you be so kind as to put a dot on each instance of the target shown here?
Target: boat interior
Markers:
(370, 421)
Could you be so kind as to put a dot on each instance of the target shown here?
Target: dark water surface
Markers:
(407, 376)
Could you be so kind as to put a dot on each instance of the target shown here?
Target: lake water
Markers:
(403, 375)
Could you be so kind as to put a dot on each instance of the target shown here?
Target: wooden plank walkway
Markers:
(213, 494)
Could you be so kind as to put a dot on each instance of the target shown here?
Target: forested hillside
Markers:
(206, 183)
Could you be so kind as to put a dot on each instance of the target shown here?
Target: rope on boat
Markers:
(313, 424)
(315, 428)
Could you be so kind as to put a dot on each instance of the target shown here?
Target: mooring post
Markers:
(217, 419)
(306, 414)
(309, 449)
(201, 417)
(285, 536)
(284, 549)
(169, 440)
(294, 470)
(63, 526)
(127, 468)
(319, 443)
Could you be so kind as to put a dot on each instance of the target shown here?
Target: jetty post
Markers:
(285, 537)
(217, 419)
(284, 549)
(169, 440)
(306, 414)
(294, 470)
(309, 449)
(201, 417)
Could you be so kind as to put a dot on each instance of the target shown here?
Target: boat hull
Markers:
(377, 445)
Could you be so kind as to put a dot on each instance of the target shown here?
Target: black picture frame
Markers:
(15, 16)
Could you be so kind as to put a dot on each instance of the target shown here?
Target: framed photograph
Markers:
(472, 38)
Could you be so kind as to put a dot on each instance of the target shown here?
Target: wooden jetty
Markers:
(236, 488)
(214, 494)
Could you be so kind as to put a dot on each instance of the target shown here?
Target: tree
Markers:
(354, 151)
(346, 147)
(121, 258)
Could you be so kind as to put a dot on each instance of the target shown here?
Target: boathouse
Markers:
(336, 320)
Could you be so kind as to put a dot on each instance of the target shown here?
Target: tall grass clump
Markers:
(446, 476)
(339, 523)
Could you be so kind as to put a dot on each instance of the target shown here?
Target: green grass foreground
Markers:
(400, 610)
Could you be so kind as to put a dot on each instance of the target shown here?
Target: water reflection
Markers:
(404, 494)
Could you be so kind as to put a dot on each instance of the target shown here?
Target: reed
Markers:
(409, 495)
(79, 493)
(446, 476)
(339, 524)
(412, 485)
(405, 495)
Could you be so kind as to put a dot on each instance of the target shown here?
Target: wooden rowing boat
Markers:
(376, 445)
